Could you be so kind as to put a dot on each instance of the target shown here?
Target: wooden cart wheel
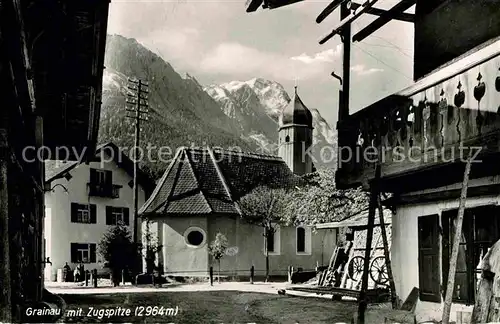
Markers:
(355, 268)
(378, 271)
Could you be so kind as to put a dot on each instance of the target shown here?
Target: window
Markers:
(195, 237)
(428, 258)
(301, 240)
(83, 252)
(86, 214)
(272, 244)
(287, 139)
(100, 177)
(117, 214)
(480, 230)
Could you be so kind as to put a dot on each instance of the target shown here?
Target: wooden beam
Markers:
(363, 303)
(387, 254)
(328, 10)
(402, 16)
(384, 19)
(346, 22)
(450, 288)
(253, 5)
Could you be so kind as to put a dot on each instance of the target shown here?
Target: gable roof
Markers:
(205, 181)
(55, 169)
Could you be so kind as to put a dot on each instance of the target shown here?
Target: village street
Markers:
(200, 303)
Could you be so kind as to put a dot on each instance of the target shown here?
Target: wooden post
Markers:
(5, 291)
(252, 273)
(94, 277)
(456, 241)
(87, 275)
(211, 276)
(345, 11)
(290, 273)
(387, 254)
(123, 276)
(369, 238)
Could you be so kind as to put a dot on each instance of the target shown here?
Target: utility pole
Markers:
(345, 35)
(138, 99)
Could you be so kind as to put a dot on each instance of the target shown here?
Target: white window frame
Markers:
(118, 214)
(307, 240)
(83, 214)
(277, 242)
(80, 253)
(193, 229)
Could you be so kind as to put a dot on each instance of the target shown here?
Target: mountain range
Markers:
(182, 112)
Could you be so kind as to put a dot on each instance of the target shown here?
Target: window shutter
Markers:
(93, 176)
(93, 214)
(74, 209)
(109, 220)
(109, 179)
(428, 258)
(92, 253)
(445, 221)
(74, 252)
(126, 219)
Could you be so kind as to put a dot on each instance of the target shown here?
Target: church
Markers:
(196, 198)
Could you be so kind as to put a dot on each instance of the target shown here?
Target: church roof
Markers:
(205, 181)
(296, 113)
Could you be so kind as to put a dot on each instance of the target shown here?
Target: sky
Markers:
(216, 41)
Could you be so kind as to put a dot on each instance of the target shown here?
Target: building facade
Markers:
(81, 203)
(424, 135)
(196, 199)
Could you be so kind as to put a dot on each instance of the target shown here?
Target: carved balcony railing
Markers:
(433, 123)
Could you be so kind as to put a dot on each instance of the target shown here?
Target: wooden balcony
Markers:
(103, 191)
(422, 135)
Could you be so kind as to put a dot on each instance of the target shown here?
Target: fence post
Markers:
(123, 276)
(211, 276)
(290, 272)
(94, 277)
(252, 273)
(87, 274)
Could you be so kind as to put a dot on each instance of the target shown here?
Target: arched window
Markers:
(301, 240)
(287, 139)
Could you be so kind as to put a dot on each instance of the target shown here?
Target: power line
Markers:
(395, 46)
(382, 62)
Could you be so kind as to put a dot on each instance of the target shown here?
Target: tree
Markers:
(150, 249)
(217, 249)
(319, 201)
(265, 207)
(119, 250)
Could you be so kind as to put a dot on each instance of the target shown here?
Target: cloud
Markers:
(327, 56)
(362, 70)
(237, 60)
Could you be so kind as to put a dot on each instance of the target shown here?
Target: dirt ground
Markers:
(208, 307)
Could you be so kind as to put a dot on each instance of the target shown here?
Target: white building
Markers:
(82, 201)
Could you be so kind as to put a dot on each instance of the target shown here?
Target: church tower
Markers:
(295, 136)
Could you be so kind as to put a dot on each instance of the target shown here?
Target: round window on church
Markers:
(195, 237)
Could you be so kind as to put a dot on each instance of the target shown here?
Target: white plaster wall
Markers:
(60, 232)
(404, 250)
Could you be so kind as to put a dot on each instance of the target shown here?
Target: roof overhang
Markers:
(358, 220)
(66, 41)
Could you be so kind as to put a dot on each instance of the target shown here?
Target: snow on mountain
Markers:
(257, 105)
